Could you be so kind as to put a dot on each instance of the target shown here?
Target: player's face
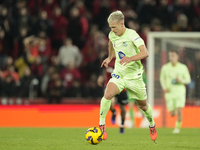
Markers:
(116, 27)
(173, 57)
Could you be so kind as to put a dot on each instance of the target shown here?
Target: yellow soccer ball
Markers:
(94, 135)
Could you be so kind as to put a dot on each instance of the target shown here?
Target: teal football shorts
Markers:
(135, 87)
(175, 100)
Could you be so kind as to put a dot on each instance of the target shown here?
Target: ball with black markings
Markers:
(94, 135)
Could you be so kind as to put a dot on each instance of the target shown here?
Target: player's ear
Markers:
(122, 23)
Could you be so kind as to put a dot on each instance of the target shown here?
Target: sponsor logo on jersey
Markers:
(115, 76)
(121, 54)
(124, 44)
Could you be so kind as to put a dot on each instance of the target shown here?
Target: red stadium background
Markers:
(83, 115)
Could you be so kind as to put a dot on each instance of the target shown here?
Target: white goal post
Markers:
(172, 38)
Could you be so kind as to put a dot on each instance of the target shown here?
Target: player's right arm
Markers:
(101, 77)
(163, 79)
(111, 54)
(111, 50)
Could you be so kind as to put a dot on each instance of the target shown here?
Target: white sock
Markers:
(101, 122)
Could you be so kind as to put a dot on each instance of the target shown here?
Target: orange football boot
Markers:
(153, 133)
(103, 129)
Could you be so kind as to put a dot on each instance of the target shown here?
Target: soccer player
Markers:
(173, 77)
(129, 49)
(121, 98)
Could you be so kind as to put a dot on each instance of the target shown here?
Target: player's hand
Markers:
(100, 80)
(178, 80)
(166, 90)
(124, 60)
(105, 62)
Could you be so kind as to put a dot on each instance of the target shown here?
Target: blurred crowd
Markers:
(54, 47)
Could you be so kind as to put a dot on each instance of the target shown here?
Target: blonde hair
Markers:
(115, 16)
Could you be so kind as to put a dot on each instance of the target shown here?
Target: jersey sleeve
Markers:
(163, 78)
(186, 76)
(137, 40)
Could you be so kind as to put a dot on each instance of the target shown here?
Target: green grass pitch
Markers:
(74, 139)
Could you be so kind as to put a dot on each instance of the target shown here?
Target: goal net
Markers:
(188, 46)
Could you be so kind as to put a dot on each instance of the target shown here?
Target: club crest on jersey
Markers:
(121, 54)
(124, 44)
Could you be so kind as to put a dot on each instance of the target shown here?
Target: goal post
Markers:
(158, 44)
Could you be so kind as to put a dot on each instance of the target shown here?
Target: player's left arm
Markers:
(186, 79)
(141, 55)
(139, 43)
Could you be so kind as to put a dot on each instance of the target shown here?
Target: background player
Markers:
(129, 49)
(173, 76)
(121, 98)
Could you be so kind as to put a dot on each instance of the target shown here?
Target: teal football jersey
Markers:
(170, 73)
(127, 45)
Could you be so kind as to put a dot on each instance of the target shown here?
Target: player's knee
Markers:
(108, 95)
(172, 113)
(144, 108)
(123, 110)
(143, 105)
(179, 112)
